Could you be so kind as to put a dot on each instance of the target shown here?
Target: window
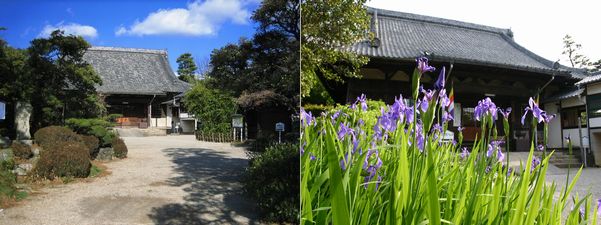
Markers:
(594, 105)
(467, 117)
(569, 117)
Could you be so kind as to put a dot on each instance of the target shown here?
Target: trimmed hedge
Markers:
(21, 150)
(49, 136)
(272, 180)
(95, 127)
(92, 143)
(64, 159)
(119, 148)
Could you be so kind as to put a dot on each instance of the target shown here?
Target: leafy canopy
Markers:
(327, 27)
(210, 106)
(186, 68)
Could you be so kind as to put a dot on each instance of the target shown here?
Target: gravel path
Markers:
(164, 180)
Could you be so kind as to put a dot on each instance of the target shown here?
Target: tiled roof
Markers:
(406, 36)
(134, 71)
(590, 79)
(571, 92)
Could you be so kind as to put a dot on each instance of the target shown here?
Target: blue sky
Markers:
(197, 26)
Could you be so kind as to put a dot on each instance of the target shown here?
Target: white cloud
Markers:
(199, 18)
(71, 28)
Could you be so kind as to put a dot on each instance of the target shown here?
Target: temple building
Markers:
(140, 85)
(485, 62)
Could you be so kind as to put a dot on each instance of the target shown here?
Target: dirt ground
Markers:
(164, 180)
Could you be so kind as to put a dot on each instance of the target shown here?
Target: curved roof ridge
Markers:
(120, 49)
(438, 20)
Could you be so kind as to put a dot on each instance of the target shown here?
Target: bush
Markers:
(64, 159)
(95, 127)
(9, 162)
(7, 184)
(273, 181)
(262, 142)
(21, 150)
(212, 107)
(119, 148)
(92, 143)
(49, 136)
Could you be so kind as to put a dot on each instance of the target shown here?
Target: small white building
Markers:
(578, 106)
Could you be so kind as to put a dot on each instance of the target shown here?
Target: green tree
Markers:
(571, 49)
(268, 61)
(186, 68)
(63, 82)
(212, 107)
(327, 27)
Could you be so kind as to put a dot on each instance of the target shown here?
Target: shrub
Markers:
(262, 142)
(21, 150)
(213, 107)
(49, 136)
(7, 184)
(8, 163)
(272, 180)
(119, 148)
(95, 127)
(64, 159)
(91, 142)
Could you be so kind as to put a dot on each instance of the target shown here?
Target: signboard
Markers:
(457, 115)
(237, 121)
(279, 126)
(2, 111)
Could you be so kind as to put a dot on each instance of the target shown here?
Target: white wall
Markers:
(554, 138)
(593, 89)
(573, 133)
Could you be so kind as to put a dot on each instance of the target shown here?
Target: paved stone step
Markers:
(554, 161)
(566, 165)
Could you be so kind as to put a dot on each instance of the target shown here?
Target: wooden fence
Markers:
(214, 137)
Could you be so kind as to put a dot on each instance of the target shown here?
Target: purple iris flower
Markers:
(307, 118)
(335, 116)
(312, 157)
(446, 117)
(344, 130)
(547, 118)
(500, 155)
(460, 129)
(436, 128)
(422, 65)
(581, 213)
(361, 100)
(490, 150)
(302, 148)
(419, 136)
(540, 147)
(464, 153)
(506, 112)
(485, 106)
(599, 207)
(443, 99)
(535, 163)
(439, 85)
(371, 169)
(344, 162)
(536, 111)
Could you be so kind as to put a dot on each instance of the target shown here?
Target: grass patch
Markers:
(95, 171)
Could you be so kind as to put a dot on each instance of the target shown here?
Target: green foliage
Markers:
(63, 159)
(21, 150)
(9, 163)
(320, 51)
(63, 81)
(272, 179)
(212, 107)
(268, 61)
(94, 127)
(48, 136)
(119, 148)
(95, 171)
(317, 109)
(379, 167)
(7, 184)
(186, 67)
(92, 143)
(571, 49)
(262, 142)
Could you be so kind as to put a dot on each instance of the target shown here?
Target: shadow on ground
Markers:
(212, 182)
